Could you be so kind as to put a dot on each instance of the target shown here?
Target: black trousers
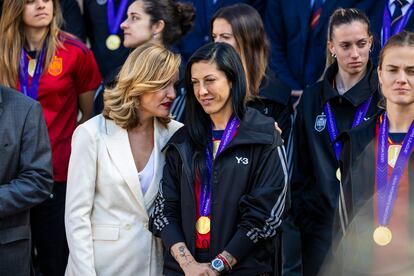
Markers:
(50, 248)
(315, 247)
(291, 251)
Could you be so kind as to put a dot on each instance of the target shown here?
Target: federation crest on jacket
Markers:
(320, 122)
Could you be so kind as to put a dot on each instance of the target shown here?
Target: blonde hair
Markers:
(14, 38)
(148, 68)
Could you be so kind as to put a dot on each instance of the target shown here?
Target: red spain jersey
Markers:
(72, 71)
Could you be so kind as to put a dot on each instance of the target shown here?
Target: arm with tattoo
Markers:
(181, 254)
(187, 262)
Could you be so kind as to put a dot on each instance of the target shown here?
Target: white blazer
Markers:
(106, 213)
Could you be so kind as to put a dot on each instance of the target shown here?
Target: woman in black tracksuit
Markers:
(346, 96)
(379, 243)
(224, 185)
(241, 26)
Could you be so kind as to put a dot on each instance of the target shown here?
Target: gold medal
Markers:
(338, 174)
(203, 225)
(31, 67)
(393, 152)
(382, 235)
(113, 42)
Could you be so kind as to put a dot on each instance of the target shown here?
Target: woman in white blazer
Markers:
(115, 169)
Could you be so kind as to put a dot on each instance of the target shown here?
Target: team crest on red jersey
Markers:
(56, 66)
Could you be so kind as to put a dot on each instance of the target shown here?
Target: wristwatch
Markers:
(218, 265)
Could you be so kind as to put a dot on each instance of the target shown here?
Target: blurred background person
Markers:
(241, 26)
(200, 33)
(223, 207)
(388, 17)
(25, 176)
(102, 22)
(297, 32)
(377, 230)
(72, 19)
(116, 167)
(60, 72)
(162, 21)
(345, 97)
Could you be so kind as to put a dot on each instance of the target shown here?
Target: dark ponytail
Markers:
(178, 18)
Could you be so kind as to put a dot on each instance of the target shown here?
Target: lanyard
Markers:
(114, 21)
(332, 128)
(387, 191)
(387, 32)
(31, 91)
(205, 194)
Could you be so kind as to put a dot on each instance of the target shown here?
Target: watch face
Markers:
(217, 264)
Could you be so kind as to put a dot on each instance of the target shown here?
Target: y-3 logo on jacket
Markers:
(320, 122)
(242, 160)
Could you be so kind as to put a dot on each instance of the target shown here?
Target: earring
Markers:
(154, 35)
(333, 55)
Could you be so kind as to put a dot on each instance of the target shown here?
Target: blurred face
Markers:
(211, 88)
(158, 103)
(137, 27)
(38, 13)
(351, 44)
(222, 32)
(396, 75)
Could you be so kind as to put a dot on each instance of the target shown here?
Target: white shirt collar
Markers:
(391, 3)
(404, 10)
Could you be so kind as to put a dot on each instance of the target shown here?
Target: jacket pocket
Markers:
(14, 234)
(105, 232)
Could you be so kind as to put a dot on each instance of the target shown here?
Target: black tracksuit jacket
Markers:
(249, 183)
(315, 188)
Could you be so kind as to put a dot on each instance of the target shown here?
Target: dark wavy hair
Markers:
(198, 122)
(178, 18)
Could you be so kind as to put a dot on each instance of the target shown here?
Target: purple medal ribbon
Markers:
(24, 74)
(386, 31)
(205, 196)
(387, 191)
(332, 128)
(115, 21)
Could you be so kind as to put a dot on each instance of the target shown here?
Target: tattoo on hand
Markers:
(188, 263)
(181, 251)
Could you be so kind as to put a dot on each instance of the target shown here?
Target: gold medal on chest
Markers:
(393, 152)
(338, 174)
(113, 42)
(31, 67)
(382, 235)
(203, 225)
